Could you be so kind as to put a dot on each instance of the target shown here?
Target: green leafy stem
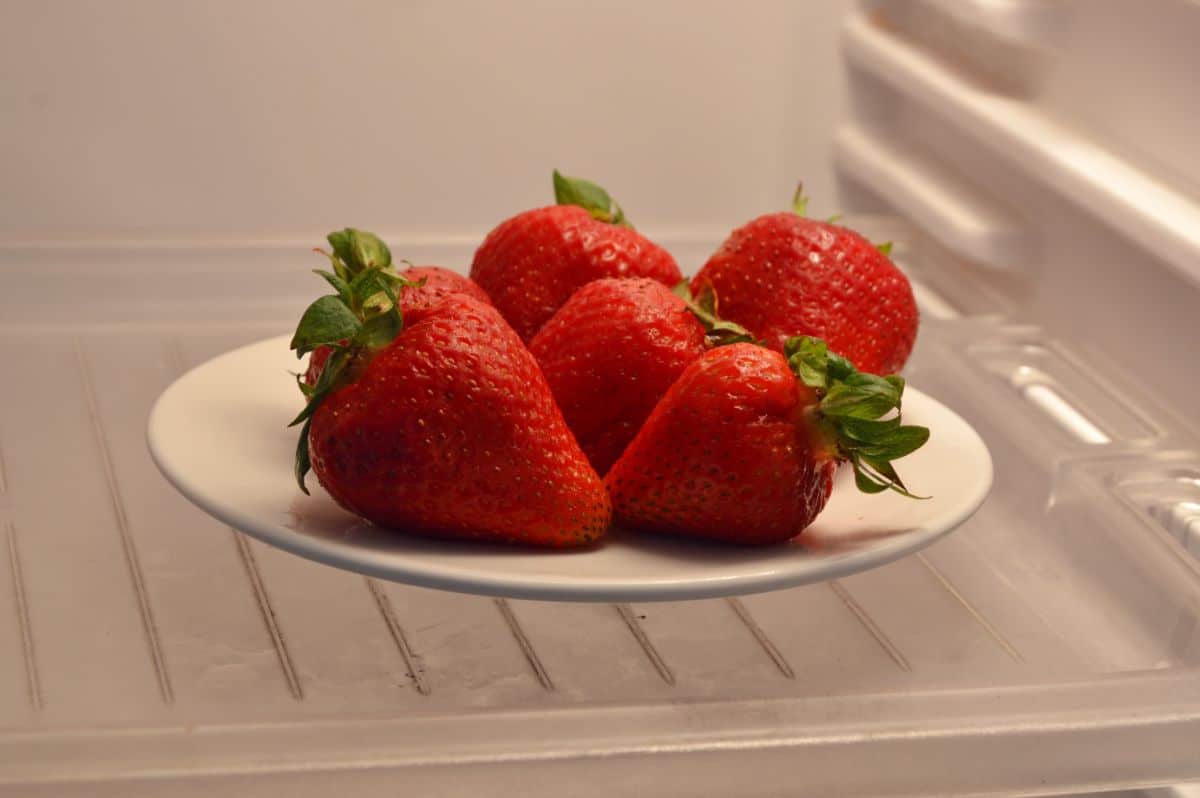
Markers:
(362, 316)
(589, 196)
(718, 331)
(858, 413)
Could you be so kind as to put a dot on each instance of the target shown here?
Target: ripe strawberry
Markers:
(431, 284)
(783, 275)
(744, 445)
(613, 350)
(439, 423)
(532, 263)
(434, 284)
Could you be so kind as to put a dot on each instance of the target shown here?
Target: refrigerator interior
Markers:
(1050, 645)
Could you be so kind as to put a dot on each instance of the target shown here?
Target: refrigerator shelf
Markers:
(1060, 621)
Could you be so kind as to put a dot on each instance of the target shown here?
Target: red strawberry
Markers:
(436, 283)
(432, 284)
(613, 350)
(532, 263)
(744, 445)
(316, 362)
(441, 423)
(782, 275)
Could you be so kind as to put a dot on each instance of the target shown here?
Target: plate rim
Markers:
(581, 589)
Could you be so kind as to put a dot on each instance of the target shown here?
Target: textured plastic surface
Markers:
(149, 650)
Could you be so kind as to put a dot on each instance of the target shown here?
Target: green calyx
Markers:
(855, 414)
(362, 316)
(704, 307)
(589, 196)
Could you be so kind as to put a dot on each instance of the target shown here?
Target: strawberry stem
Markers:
(704, 307)
(363, 316)
(589, 196)
(800, 201)
(858, 413)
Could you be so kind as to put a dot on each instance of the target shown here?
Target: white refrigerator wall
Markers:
(227, 122)
(194, 149)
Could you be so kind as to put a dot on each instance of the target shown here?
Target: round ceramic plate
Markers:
(219, 435)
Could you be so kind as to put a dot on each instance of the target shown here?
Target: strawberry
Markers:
(613, 350)
(431, 284)
(532, 263)
(744, 445)
(439, 422)
(783, 275)
(434, 284)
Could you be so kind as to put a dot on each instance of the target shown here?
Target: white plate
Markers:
(219, 435)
